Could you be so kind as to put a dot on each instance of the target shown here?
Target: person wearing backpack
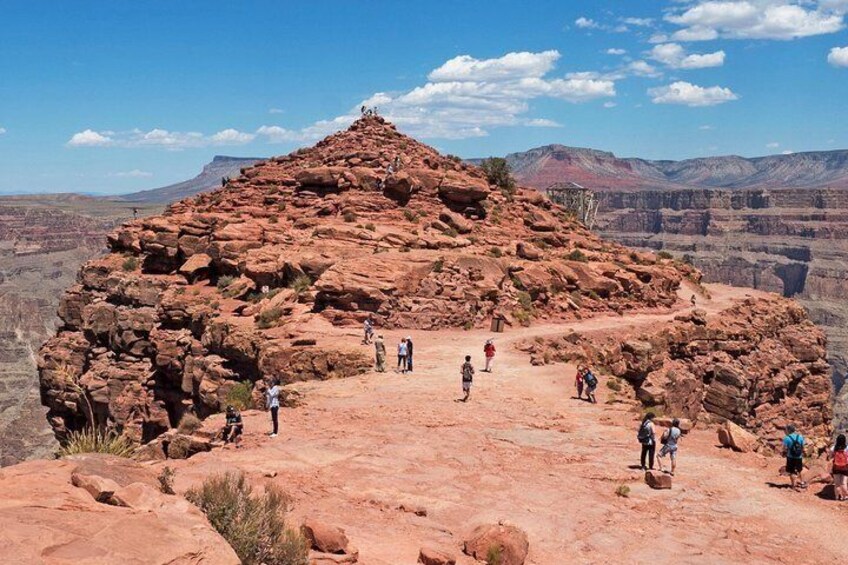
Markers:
(648, 440)
(591, 384)
(467, 372)
(839, 454)
(669, 445)
(793, 447)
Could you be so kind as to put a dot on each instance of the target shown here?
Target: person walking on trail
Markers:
(401, 353)
(272, 403)
(409, 354)
(368, 331)
(793, 448)
(489, 352)
(839, 454)
(591, 385)
(380, 354)
(578, 382)
(467, 371)
(693, 300)
(648, 440)
(669, 441)
(233, 426)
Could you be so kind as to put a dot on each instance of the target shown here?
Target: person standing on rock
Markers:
(380, 353)
(272, 403)
(648, 440)
(467, 371)
(401, 353)
(489, 352)
(669, 441)
(369, 331)
(793, 448)
(409, 354)
(839, 455)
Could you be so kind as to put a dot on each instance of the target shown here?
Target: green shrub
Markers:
(130, 264)
(253, 524)
(468, 326)
(225, 281)
(349, 216)
(268, 318)
(370, 227)
(577, 255)
(241, 395)
(409, 215)
(498, 173)
(495, 251)
(451, 232)
(273, 220)
(525, 300)
(166, 480)
(90, 440)
(301, 284)
(664, 255)
(522, 316)
(614, 385)
(189, 424)
(623, 491)
(494, 556)
(438, 265)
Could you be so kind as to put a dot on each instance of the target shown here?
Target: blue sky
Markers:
(118, 96)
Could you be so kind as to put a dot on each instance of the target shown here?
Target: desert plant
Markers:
(438, 265)
(614, 385)
(522, 316)
(91, 440)
(370, 227)
(494, 556)
(268, 318)
(451, 232)
(409, 215)
(495, 251)
(498, 173)
(273, 220)
(225, 281)
(241, 395)
(525, 300)
(189, 424)
(577, 255)
(300, 284)
(253, 524)
(349, 216)
(166, 480)
(130, 264)
(623, 491)
(664, 255)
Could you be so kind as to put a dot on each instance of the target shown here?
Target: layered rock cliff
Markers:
(248, 281)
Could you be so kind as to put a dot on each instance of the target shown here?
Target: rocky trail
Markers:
(398, 463)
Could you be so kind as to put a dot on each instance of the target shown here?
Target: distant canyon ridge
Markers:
(777, 223)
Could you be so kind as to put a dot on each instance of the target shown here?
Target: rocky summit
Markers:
(249, 280)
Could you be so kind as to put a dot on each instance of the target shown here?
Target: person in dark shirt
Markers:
(233, 427)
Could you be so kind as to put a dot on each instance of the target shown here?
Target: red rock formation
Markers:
(760, 364)
(227, 285)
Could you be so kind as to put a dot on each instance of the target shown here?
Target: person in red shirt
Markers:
(578, 381)
(489, 351)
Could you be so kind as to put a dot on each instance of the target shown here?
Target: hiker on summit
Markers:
(380, 354)
(669, 445)
(368, 330)
(591, 385)
(578, 382)
(272, 403)
(648, 440)
(793, 448)
(467, 371)
(401, 353)
(489, 352)
(408, 353)
(839, 454)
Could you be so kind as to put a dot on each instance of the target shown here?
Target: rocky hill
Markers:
(209, 178)
(777, 223)
(243, 282)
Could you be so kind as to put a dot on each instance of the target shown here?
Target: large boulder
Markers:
(733, 436)
(510, 542)
(433, 556)
(324, 537)
(463, 190)
(657, 480)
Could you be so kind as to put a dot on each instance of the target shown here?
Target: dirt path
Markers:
(522, 450)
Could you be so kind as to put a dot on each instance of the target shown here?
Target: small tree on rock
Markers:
(498, 173)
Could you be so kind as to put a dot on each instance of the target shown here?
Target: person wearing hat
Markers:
(489, 352)
(669, 445)
(233, 426)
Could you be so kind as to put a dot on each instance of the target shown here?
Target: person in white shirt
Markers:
(272, 403)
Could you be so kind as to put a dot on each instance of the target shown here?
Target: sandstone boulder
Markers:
(100, 489)
(528, 251)
(463, 190)
(738, 439)
(657, 480)
(433, 556)
(509, 540)
(325, 538)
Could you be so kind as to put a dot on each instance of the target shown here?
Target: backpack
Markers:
(796, 448)
(665, 436)
(591, 379)
(840, 462)
(644, 435)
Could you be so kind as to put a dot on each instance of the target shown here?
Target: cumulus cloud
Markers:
(276, 111)
(135, 173)
(756, 19)
(773, 145)
(838, 57)
(509, 67)
(674, 55)
(642, 69)
(2, 131)
(687, 94)
(543, 123)
(158, 137)
(639, 22)
(616, 51)
(586, 23)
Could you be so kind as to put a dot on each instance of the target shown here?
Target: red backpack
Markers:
(840, 461)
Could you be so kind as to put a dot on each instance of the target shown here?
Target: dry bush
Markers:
(189, 424)
(90, 440)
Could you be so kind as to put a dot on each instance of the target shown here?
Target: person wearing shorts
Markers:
(467, 371)
(793, 447)
(839, 455)
(669, 440)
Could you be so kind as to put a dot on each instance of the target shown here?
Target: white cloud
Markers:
(135, 173)
(89, 138)
(706, 127)
(838, 57)
(610, 104)
(674, 55)
(642, 69)
(2, 131)
(158, 137)
(276, 111)
(510, 66)
(616, 51)
(543, 123)
(773, 145)
(688, 94)
(586, 23)
(755, 19)
(787, 152)
(640, 22)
